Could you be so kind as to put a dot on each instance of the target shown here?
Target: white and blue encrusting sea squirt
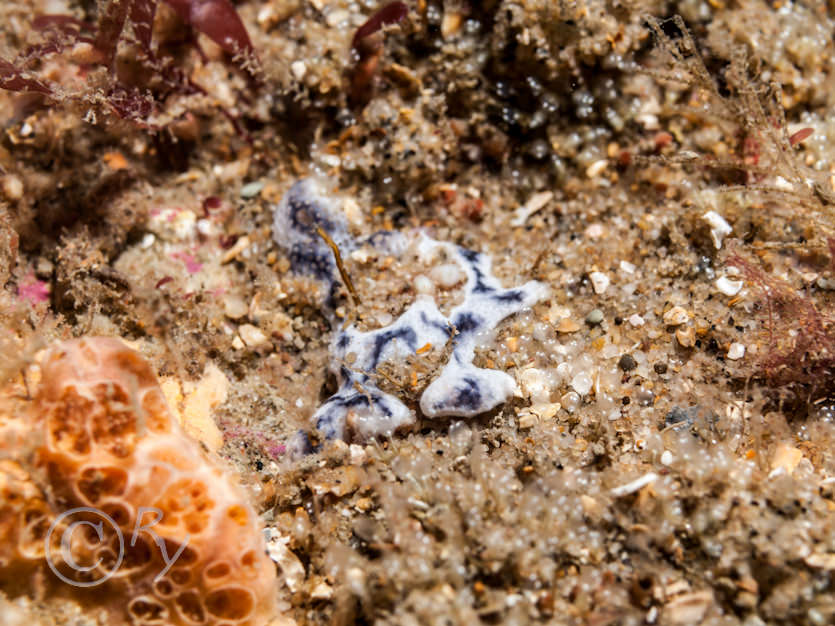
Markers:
(359, 407)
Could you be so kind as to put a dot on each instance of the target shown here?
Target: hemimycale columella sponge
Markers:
(306, 219)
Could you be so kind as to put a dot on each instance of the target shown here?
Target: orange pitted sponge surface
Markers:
(104, 498)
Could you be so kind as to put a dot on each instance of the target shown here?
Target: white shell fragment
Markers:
(736, 351)
(291, 566)
(600, 282)
(253, 336)
(636, 320)
(360, 408)
(635, 485)
(582, 383)
(676, 316)
(727, 286)
(719, 227)
(299, 69)
(596, 169)
(782, 184)
(534, 204)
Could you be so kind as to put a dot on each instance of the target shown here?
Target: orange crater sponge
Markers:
(121, 505)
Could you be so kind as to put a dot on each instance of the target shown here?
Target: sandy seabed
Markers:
(667, 458)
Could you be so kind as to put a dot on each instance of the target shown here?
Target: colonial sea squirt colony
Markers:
(360, 408)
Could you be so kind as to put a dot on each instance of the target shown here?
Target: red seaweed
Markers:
(370, 50)
(14, 79)
(227, 242)
(111, 25)
(800, 136)
(800, 338)
(142, 17)
(392, 13)
(217, 19)
(33, 290)
(212, 202)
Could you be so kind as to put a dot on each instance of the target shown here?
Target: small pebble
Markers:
(424, 285)
(527, 421)
(660, 368)
(582, 383)
(636, 320)
(357, 454)
(627, 363)
(250, 190)
(644, 397)
(148, 240)
(676, 316)
(234, 307)
(594, 231)
(570, 401)
(568, 325)
(719, 227)
(330, 160)
(679, 417)
(667, 458)
(594, 317)
(299, 69)
(252, 336)
(596, 168)
(727, 286)
(826, 283)
(447, 275)
(534, 383)
(204, 227)
(450, 24)
(686, 337)
(816, 617)
(44, 268)
(266, 16)
(787, 457)
(600, 282)
(534, 204)
(322, 591)
(362, 255)
(546, 411)
(609, 351)
(627, 267)
(782, 184)
(336, 17)
(736, 351)
(12, 187)
(240, 245)
(590, 505)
